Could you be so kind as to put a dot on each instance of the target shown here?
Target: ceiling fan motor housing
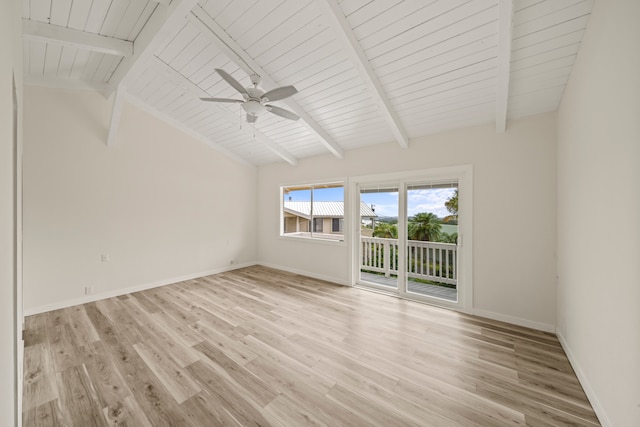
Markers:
(254, 107)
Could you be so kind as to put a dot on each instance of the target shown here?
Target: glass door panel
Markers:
(432, 234)
(378, 253)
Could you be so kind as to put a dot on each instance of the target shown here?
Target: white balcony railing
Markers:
(425, 260)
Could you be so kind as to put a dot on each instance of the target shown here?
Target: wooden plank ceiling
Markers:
(367, 71)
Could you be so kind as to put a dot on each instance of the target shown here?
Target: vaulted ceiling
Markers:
(367, 71)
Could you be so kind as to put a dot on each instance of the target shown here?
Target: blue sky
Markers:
(427, 200)
(430, 200)
(319, 195)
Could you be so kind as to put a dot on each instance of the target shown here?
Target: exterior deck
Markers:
(436, 291)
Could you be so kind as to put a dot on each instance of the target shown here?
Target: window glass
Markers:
(313, 211)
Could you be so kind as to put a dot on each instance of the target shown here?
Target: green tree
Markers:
(449, 238)
(424, 226)
(452, 207)
(386, 230)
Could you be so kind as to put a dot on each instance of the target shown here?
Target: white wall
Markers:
(514, 191)
(599, 213)
(160, 204)
(10, 33)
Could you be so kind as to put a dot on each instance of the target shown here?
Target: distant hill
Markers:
(387, 219)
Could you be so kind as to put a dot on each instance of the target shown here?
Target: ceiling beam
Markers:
(36, 30)
(162, 24)
(332, 11)
(187, 130)
(190, 87)
(62, 83)
(232, 49)
(505, 24)
(116, 113)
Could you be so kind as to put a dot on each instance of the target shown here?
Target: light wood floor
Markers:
(259, 347)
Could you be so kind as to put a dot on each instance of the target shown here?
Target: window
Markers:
(313, 211)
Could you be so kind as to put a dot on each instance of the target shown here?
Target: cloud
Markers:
(425, 200)
(429, 200)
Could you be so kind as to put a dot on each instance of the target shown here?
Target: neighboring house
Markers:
(328, 217)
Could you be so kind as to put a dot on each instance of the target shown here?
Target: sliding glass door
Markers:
(408, 238)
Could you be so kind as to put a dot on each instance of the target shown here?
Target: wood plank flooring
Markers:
(261, 347)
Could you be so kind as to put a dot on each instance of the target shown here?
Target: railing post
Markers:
(387, 258)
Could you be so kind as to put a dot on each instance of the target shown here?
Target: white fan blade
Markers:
(233, 82)
(282, 112)
(222, 100)
(279, 93)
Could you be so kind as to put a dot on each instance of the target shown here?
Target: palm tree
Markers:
(452, 207)
(424, 226)
(449, 238)
(385, 230)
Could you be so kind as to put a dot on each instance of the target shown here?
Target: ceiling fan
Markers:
(255, 100)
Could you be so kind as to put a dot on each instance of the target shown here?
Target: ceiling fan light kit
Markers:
(255, 100)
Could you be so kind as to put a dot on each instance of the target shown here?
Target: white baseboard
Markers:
(584, 382)
(336, 280)
(123, 291)
(545, 327)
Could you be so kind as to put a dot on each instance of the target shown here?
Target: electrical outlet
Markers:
(104, 257)
(88, 290)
